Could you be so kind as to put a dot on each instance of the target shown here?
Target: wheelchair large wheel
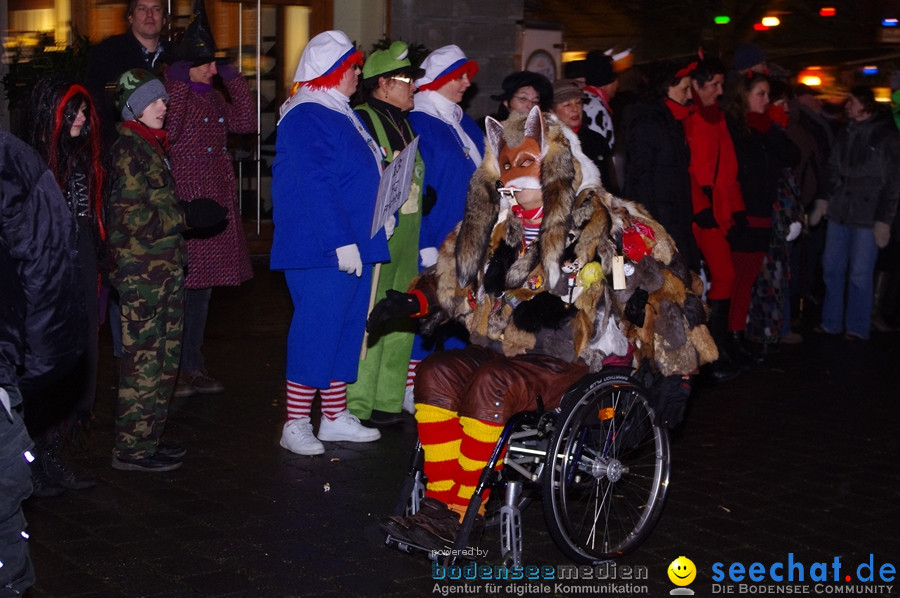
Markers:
(607, 469)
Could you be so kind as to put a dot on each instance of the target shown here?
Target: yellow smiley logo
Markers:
(682, 571)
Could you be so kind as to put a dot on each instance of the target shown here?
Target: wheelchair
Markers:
(599, 464)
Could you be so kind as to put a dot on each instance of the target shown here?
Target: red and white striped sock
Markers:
(334, 400)
(411, 372)
(299, 400)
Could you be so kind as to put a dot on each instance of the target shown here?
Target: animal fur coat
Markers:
(556, 295)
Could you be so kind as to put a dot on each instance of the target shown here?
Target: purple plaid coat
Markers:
(198, 126)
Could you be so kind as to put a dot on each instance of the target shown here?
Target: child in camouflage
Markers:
(147, 255)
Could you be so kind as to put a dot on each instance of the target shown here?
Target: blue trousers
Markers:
(848, 264)
(326, 334)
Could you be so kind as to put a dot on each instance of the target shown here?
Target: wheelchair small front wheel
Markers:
(607, 469)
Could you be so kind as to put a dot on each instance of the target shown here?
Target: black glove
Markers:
(705, 219)
(544, 310)
(635, 311)
(394, 305)
(740, 219)
(203, 212)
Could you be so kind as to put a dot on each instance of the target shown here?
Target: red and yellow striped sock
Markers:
(477, 444)
(440, 435)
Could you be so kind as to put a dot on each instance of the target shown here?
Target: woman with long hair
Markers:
(65, 130)
(763, 153)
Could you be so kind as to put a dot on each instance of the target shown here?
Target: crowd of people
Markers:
(677, 233)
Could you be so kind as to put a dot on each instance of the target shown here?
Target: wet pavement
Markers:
(793, 463)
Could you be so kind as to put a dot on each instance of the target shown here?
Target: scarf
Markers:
(604, 97)
(158, 138)
(758, 122)
(200, 88)
(436, 105)
(333, 100)
(678, 111)
(711, 114)
(532, 214)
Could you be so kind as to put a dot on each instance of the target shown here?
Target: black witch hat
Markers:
(197, 45)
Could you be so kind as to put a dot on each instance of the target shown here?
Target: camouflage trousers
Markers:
(152, 318)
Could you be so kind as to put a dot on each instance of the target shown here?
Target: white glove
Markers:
(389, 226)
(819, 211)
(349, 260)
(882, 232)
(794, 231)
(428, 256)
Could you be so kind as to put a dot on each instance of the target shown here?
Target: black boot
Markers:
(741, 353)
(723, 368)
(43, 486)
(58, 470)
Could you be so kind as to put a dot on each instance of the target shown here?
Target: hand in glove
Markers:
(428, 256)
(228, 71)
(349, 260)
(882, 233)
(794, 231)
(394, 305)
(705, 219)
(179, 71)
(819, 211)
(203, 212)
(389, 225)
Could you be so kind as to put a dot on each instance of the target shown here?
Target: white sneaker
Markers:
(409, 402)
(346, 427)
(297, 437)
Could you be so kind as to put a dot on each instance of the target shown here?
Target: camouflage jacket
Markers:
(145, 219)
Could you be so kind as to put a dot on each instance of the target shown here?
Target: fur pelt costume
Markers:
(556, 297)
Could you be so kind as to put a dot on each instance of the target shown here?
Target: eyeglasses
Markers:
(402, 79)
(527, 100)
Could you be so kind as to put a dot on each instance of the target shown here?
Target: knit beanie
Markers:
(747, 56)
(135, 90)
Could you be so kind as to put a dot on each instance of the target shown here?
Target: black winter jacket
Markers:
(762, 159)
(42, 324)
(864, 181)
(656, 173)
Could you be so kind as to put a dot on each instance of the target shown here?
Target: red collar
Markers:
(158, 138)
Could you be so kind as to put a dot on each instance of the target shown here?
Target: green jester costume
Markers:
(383, 369)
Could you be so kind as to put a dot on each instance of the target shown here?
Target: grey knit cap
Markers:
(137, 89)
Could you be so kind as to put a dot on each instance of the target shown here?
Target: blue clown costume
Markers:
(452, 146)
(325, 182)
